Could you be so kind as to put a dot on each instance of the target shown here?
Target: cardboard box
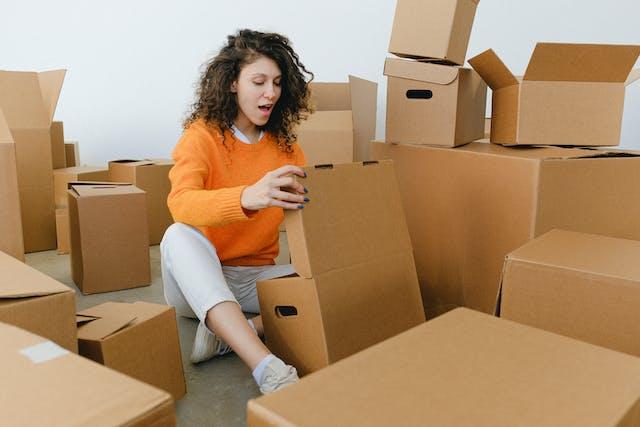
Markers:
(464, 369)
(72, 153)
(10, 219)
(109, 236)
(468, 207)
(28, 102)
(583, 286)
(487, 127)
(571, 94)
(356, 283)
(58, 152)
(437, 29)
(343, 124)
(122, 336)
(152, 176)
(62, 178)
(62, 230)
(51, 387)
(433, 104)
(35, 302)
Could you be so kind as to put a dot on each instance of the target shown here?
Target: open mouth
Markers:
(265, 108)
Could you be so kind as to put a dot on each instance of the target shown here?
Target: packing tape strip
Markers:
(43, 352)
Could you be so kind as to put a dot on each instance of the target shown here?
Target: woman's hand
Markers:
(269, 190)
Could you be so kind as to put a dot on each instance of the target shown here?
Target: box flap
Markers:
(364, 104)
(101, 327)
(355, 215)
(330, 96)
(18, 280)
(5, 132)
(97, 189)
(21, 100)
(132, 163)
(420, 71)
(633, 76)
(545, 153)
(492, 70)
(51, 86)
(581, 62)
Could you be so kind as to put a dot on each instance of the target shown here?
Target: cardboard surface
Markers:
(72, 154)
(571, 94)
(58, 152)
(35, 302)
(357, 283)
(579, 285)
(62, 177)
(11, 241)
(464, 369)
(122, 336)
(109, 236)
(62, 230)
(438, 29)
(152, 176)
(433, 104)
(28, 102)
(468, 207)
(56, 388)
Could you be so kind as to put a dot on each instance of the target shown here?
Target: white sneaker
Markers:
(277, 375)
(207, 345)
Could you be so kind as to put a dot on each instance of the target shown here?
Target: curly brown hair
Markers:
(217, 105)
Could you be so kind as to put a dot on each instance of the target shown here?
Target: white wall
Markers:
(132, 65)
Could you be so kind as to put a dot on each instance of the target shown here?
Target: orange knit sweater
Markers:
(207, 182)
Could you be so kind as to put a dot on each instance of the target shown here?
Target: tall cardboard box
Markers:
(62, 177)
(464, 369)
(437, 29)
(28, 102)
(48, 386)
(356, 283)
(138, 339)
(35, 302)
(72, 153)
(343, 124)
(571, 94)
(433, 104)
(109, 237)
(58, 152)
(583, 286)
(152, 176)
(468, 207)
(10, 219)
(62, 230)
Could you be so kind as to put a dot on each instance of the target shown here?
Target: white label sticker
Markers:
(43, 352)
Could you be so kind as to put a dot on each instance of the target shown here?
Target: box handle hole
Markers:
(419, 94)
(286, 311)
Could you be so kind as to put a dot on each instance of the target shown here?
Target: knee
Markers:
(183, 234)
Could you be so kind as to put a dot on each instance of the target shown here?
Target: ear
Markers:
(234, 86)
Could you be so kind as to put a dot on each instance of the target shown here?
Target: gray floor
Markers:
(217, 390)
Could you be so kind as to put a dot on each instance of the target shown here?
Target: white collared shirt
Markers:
(242, 137)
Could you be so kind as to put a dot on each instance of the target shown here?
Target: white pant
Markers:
(195, 281)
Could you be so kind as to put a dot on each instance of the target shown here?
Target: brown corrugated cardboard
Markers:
(72, 154)
(464, 369)
(583, 286)
(343, 124)
(109, 236)
(58, 152)
(62, 230)
(62, 177)
(357, 283)
(10, 219)
(152, 176)
(571, 94)
(437, 29)
(468, 207)
(37, 303)
(28, 102)
(52, 387)
(122, 336)
(487, 128)
(433, 104)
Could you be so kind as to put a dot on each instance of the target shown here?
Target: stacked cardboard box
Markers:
(11, 241)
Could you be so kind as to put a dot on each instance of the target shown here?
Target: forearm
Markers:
(211, 208)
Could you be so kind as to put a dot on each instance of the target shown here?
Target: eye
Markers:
(258, 82)
(277, 83)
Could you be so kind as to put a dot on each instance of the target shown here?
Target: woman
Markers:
(232, 178)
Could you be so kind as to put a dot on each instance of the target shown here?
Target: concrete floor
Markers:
(217, 390)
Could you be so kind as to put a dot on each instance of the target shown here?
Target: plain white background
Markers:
(132, 65)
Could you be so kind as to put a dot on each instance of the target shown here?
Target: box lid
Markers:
(99, 189)
(18, 280)
(545, 153)
(581, 62)
(492, 70)
(420, 71)
(355, 216)
(143, 162)
(78, 170)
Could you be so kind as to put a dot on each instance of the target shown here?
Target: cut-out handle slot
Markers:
(419, 94)
(286, 311)
(369, 162)
(324, 166)
(101, 187)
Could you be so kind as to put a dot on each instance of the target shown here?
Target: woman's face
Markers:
(257, 89)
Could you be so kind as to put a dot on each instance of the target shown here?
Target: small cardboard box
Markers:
(583, 286)
(152, 176)
(28, 102)
(48, 386)
(356, 283)
(62, 230)
(571, 94)
(62, 178)
(35, 302)
(464, 369)
(109, 236)
(433, 104)
(435, 29)
(343, 124)
(138, 339)
(58, 152)
(10, 219)
(72, 154)
(468, 207)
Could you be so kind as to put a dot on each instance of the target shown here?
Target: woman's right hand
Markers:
(269, 191)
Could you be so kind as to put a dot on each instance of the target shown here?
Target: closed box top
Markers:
(18, 280)
(96, 189)
(421, 71)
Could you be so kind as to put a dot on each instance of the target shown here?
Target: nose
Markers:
(269, 92)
